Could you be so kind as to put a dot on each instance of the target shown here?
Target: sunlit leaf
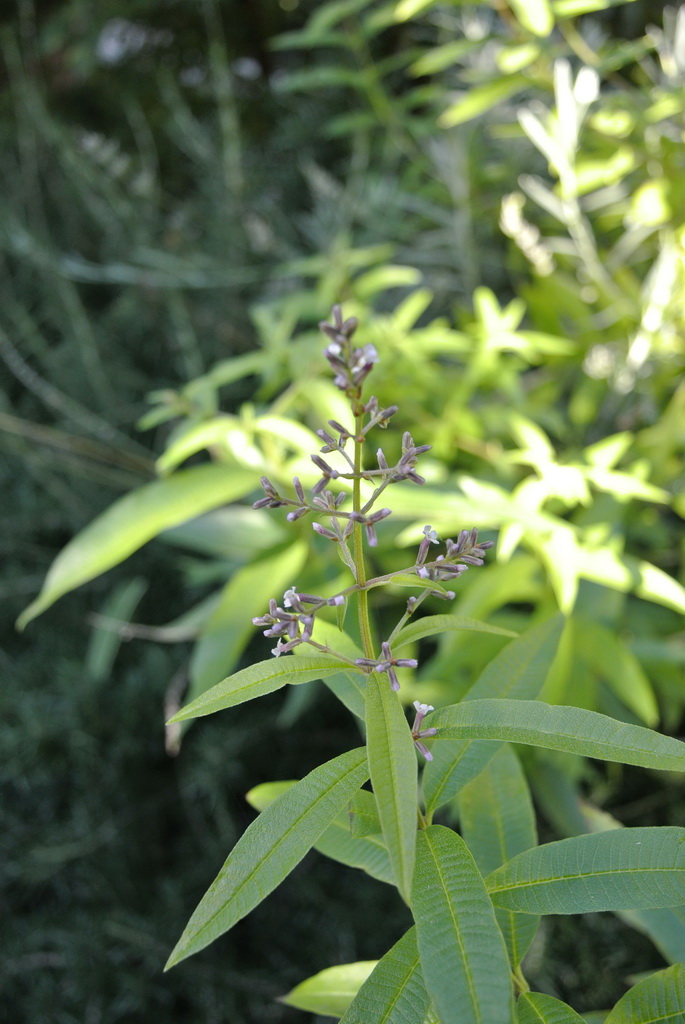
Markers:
(482, 98)
(132, 521)
(619, 870)
(394, 776)
(463, 958)
(195, 438)
(330, 992)
(534, 15)
(271, 847)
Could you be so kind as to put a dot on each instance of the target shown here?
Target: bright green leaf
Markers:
(132, 521)
(575, 730)
(256, 680)
(482, 98)
(271, 847)
(626, 869)
(196, 438)
(534, 15)
(395, 992)
(330, 992)
(394, 776)
(463, 958)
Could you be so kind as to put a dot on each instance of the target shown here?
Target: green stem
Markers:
(358, 549)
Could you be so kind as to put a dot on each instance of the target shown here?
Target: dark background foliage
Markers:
(159, 180)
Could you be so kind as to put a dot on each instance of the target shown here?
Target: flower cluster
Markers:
(292, 623)
(350, 365)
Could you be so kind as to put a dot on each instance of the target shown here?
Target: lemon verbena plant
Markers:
(477, 894)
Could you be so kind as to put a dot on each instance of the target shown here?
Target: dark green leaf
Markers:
(271, 847)
(256, 680)
(626, 869)
(395, 992)
(536, 1008)
(560, 728)
(497, 822)
(394, 776)
(659, 999)
(463, 957)
(519, 670)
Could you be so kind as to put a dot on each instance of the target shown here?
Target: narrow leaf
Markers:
(497, 822)
(432, 624)
(368, 853)
(271, 847)
(536, 1008)
(256, 680)
(519, 671)
(463, 958)
(363, 815)
(575, 730)
(626, 869)
(482, 98)
(330, 992)
(132, 521)
(395, 992)
(394, 776)
(659, 999)
(534, 15)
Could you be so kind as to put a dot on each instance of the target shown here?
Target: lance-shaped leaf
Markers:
(463, 957)
(430, 625)
(395, 992)
(256, 680)
(330, 992)
(560, 728)
(536, 1008)
(271, 847)
(659, 998)
(368, 853)
(665, 926)
(132, 521)
(627, 869)
(497, 822)
(394, 776)
(519, 671)
(363, 814)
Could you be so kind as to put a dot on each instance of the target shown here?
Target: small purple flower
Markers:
(429, 537)
(417, 733)
(387, 663)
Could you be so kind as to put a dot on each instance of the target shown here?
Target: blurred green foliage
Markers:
(497, 195)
